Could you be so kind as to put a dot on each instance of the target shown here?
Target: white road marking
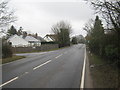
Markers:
(9, 81)
(59, 56)
(26, 72)
(41, 65)
(83, 72)
(23, 74)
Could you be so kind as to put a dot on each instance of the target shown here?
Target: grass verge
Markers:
(44, 50)
(13, 58)
(104, 74)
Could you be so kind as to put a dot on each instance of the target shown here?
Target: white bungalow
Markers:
(33, 41)
(18, 41)
(50, 38)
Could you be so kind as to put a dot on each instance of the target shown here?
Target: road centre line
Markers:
(83, 72)
(9, 81)
(41, 65)
(59, 56)
(25, 73)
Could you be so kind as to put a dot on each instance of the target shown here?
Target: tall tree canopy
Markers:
(74, 40)
(62, 30)
(110, 11)
(6, 15)
(96, 35)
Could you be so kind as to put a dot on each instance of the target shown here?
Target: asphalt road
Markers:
(55, 69)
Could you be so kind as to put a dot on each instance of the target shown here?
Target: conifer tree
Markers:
(12, 31)
(97, 34)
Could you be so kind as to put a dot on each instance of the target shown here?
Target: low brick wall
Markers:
(43, 47)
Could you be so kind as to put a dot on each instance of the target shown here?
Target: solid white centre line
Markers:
(9, 81)
(41, 65)
(59, 56)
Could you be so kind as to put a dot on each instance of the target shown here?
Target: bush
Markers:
(111, 52)
(74, 40)
(6, 50)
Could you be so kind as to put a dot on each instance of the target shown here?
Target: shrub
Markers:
(6, 50)
(111, 52)
(74, 40)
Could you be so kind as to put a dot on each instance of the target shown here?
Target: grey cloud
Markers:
(40, 16)
(71, 10)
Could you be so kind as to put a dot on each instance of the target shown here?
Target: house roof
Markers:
(17, 40)
(40, 38)
(52, 36)
(30, 38)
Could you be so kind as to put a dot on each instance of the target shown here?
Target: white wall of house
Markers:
(47, 39)
(18, 41)
(33, 41)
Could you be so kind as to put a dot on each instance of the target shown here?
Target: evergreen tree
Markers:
(36, 35)
(12, 31)
(97, 33)
(74, 40)
(24, 34)
(20, 31)
(98, 28)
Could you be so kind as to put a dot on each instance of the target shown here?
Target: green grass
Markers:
(104, 75)
(13, 58)
(96, 60)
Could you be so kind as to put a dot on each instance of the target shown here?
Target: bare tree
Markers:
(89, 26)
(110, 10)
(62, 24)
(62, 30)
(6, 15)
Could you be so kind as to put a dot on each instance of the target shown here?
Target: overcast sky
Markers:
(38, 16)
